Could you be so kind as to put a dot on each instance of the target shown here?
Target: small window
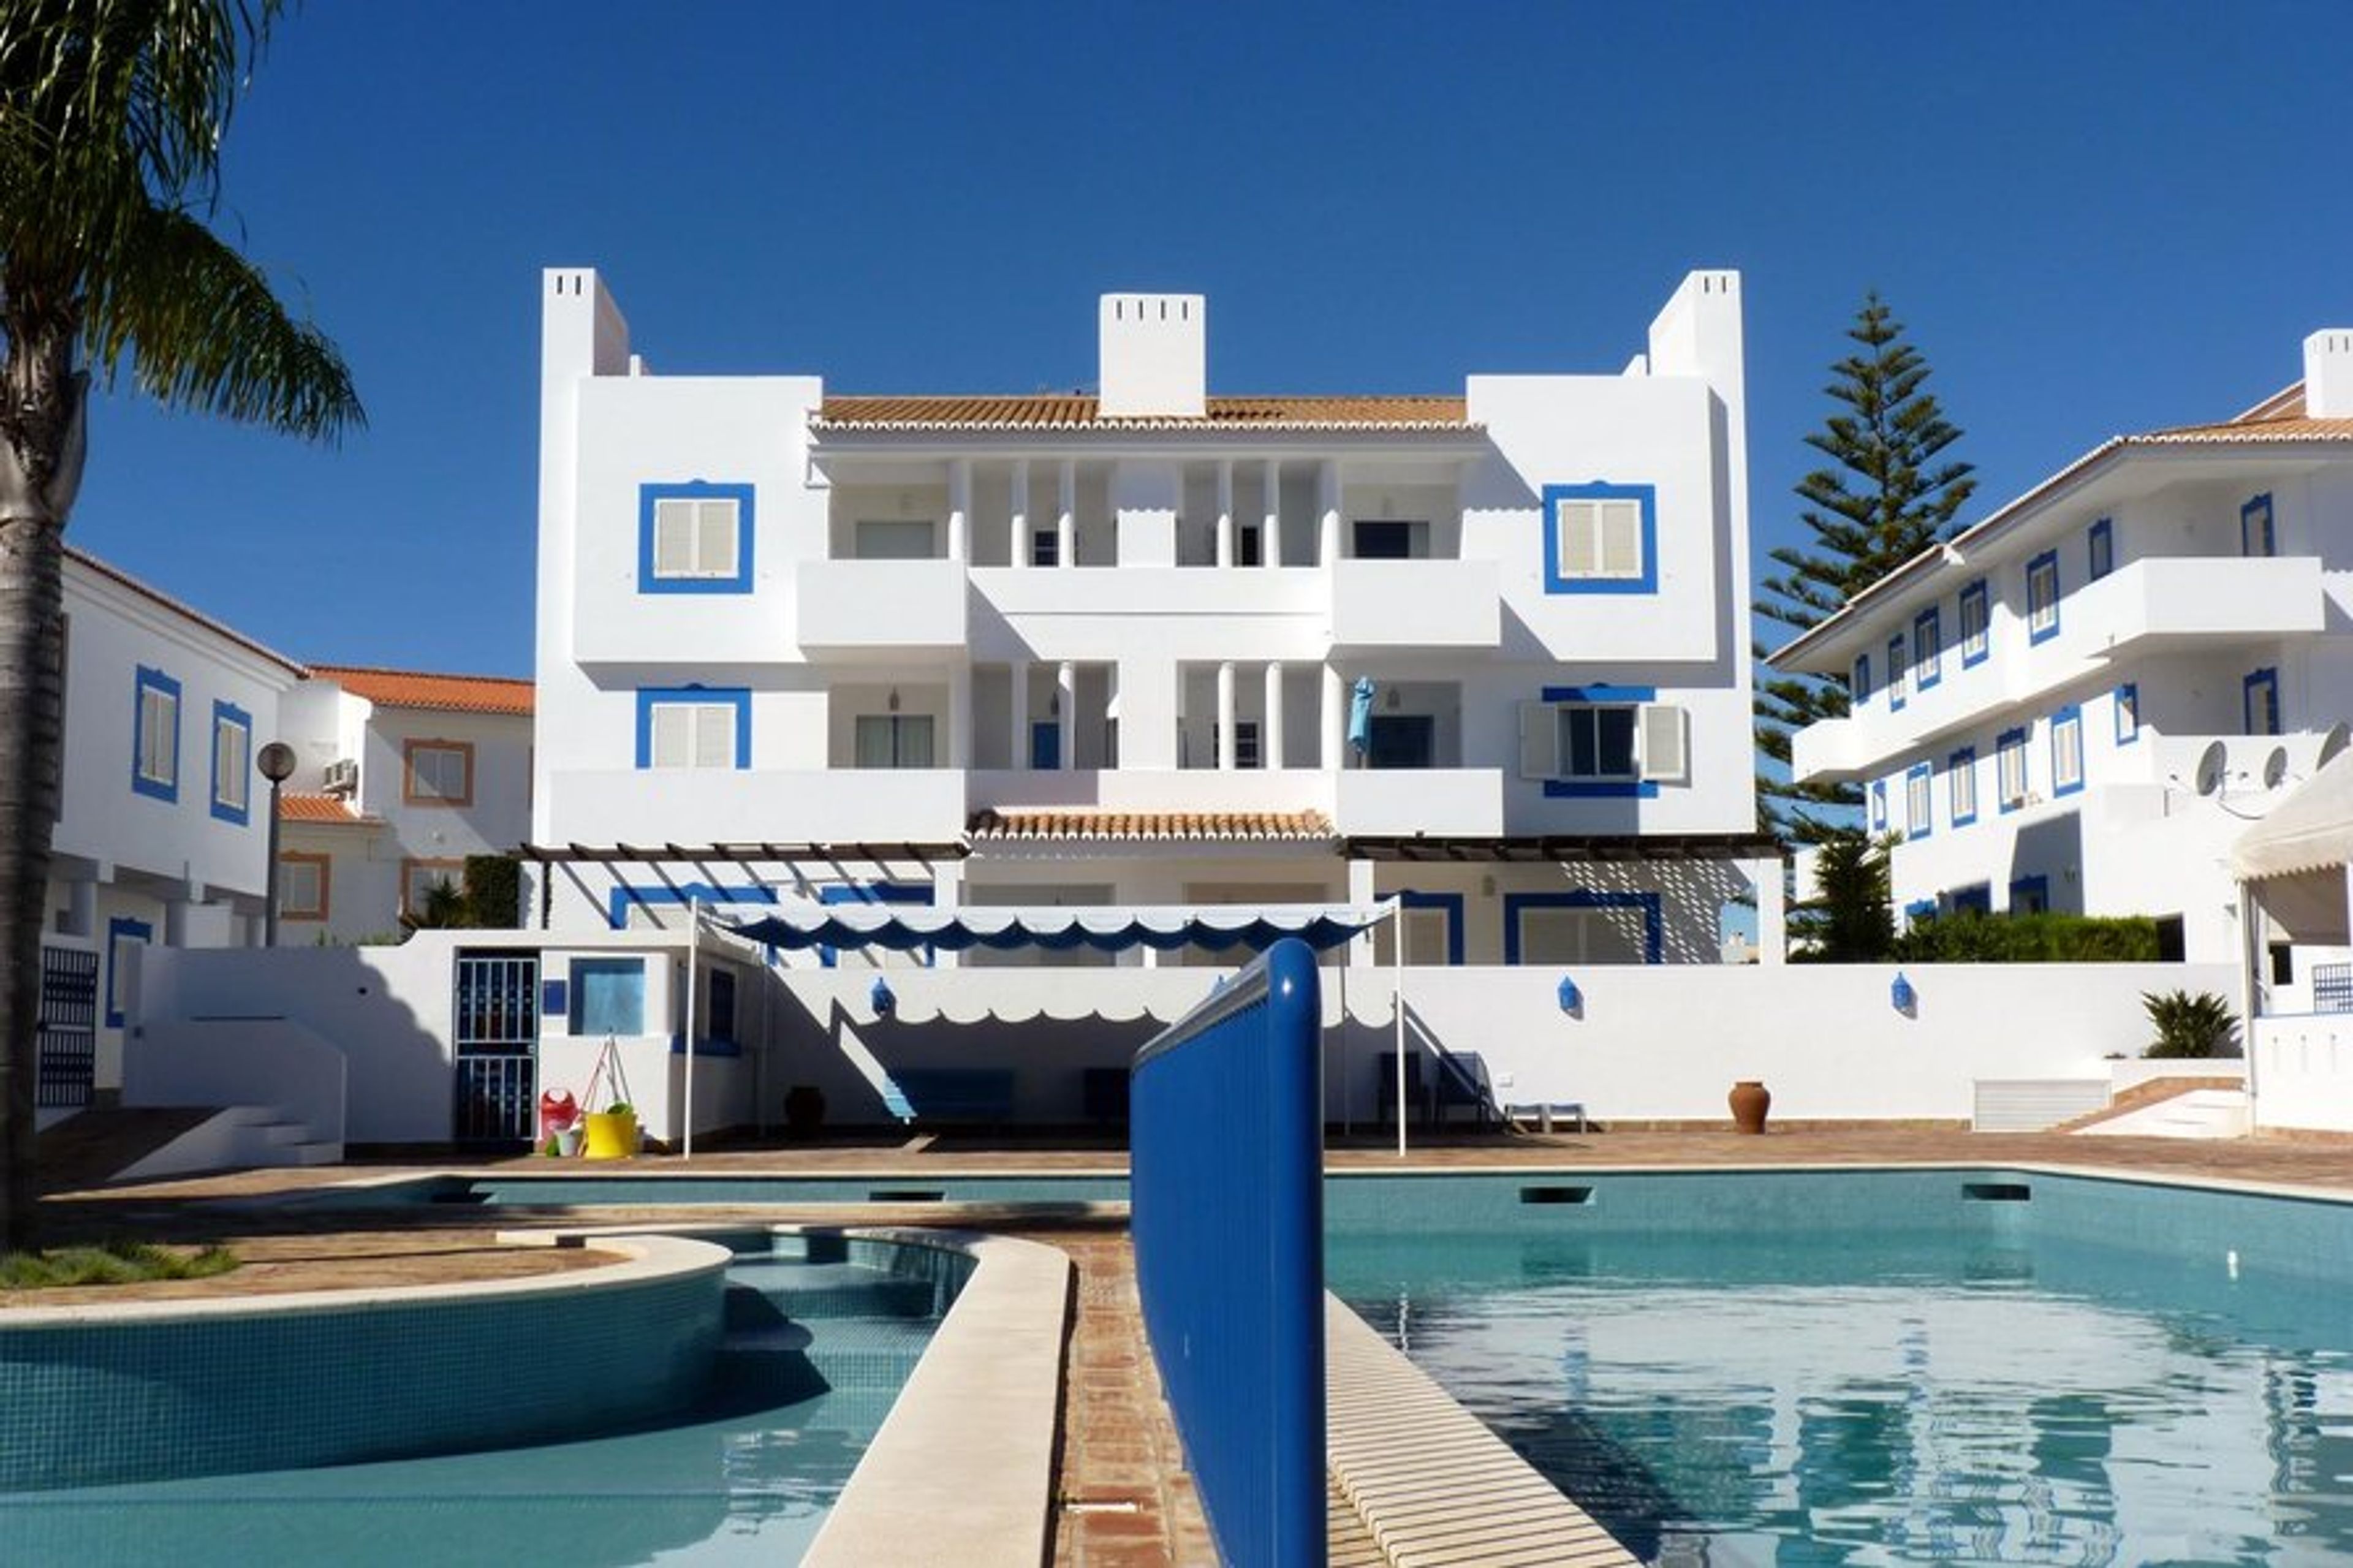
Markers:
(608, 997)
(1927, 649)
(232, 763)
(1895, 674)
(438, 773)
(1250, 548)
(1597, 742)
(2256, 534)
(695, 734)
(1381, 539)
(2067, 751)
(1917, 815)
(2042, 598)
(1045, 547)
(1860, 688)
(1045, 745)
(1961, 785)
(302, 885)
(2030, 896)
(894, 740)
(156, 750)
(893, 539)
(2010, 767)
(2261, 702)
(720, 994)
(695, 538)
(1601, 539)
(1246, 746)
(2100, 550)
(1879, 805)
(2128, 713)
(1975, 639)
(121, 937)
(419, 878)
(1614, 747)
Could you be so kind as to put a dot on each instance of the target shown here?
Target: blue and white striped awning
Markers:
(904, 928)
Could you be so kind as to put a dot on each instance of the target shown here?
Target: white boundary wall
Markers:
(2304, 1072)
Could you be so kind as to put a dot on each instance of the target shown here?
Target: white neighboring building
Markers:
(399, 777)
(2080, 702)
(162, 834)
(1102, 649)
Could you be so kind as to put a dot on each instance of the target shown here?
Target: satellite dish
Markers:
(2333, 742)
(2276, 767)
(2211, 762)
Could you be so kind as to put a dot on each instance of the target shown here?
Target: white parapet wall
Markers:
(2303, 1073)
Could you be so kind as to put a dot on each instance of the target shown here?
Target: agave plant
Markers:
(2187, 1025)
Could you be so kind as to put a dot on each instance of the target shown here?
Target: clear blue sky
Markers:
(2092, 217)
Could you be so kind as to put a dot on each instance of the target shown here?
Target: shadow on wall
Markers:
(2045, 864)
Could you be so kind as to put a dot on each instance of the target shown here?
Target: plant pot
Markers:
(611, 1134)
(1750, 1101)
(567, 1143)
(804, 1110)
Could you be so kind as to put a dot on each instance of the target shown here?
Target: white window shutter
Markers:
(716, 538)
(1579, 523)
(1666, 742)
(1539, 741)
(673, 734)
(1620, 533)
(673, 538)
(714, 736)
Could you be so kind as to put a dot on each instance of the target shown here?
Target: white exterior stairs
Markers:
(238, 1137)
(2173, 1108)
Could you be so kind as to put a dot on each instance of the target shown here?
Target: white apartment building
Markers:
(1148, 645)
(399, 777)
(2080, 702)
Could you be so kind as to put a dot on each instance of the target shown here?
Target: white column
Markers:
(1020, 545)
(1332, 757)
(1066, 687)
(1269, 543)
(1270, 730)
(176, 921)
(947, 893)
(1226, 715)
(1066, 530)
(1772, 915)
(1225, 514)
(1361, 894)
(1327, 511)
(82, 905)
(959, 508)
(1020, 670)
(960, 716)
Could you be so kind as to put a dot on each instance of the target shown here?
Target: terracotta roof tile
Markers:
(447, 693)
(2249, 431)
(322, 810)
(1075, 411)
(1263, 826)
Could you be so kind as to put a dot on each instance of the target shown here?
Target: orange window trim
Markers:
(453, 872)
(409, 793)
(325, 864)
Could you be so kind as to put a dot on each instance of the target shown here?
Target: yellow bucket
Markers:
(612, 1134)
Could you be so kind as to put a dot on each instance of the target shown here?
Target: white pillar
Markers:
(1226, 512)
(1066, 688)
(1226, 715)
(1269, 543)
(1020, 542)
(1332, 757)
(947, 893)
(1361, 894)
(1772, 916)
(176, 921)
(1066, 530)
(1327, 511)
(81, 906)
(1020, 670)
(1270, 728)
(960, 716)
(959, 508)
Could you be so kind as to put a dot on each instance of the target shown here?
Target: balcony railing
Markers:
(1415, 604)
(840, 805)
(864, 610)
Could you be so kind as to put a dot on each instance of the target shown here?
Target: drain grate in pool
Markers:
(1996, 1193)
(1556, 1195)
(906, 1195)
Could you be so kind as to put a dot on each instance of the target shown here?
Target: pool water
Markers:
(1799, 1397)
(815, 1354)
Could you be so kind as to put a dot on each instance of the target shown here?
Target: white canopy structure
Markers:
(904, 928)
(2299, 854)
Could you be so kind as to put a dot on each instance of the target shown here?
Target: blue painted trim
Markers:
(874, 893)
(1601, 789)
(1920, 910)
(1895, 674)
(2039, 886)
(698, 489)
(1858, 686)
(1962, 763)
(118, 928)
(1879, 805)
(2048, 558)
(1977, 896)
(2002, 743)
(1654, 931)
(2126, 704)
(651, 697)
(2069, 717)
(618, 901)
(2258, 505)
(1450, 902)
(2100, 550)
(1600, 693)
(148, 680)
(1926, 776)
(1976, 592)
(1557, 582)
(2266, 681)
(1928, 633)
(229, 712)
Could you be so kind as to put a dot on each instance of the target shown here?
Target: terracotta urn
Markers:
(1749, 1100)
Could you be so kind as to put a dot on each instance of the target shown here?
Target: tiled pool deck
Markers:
(1126, 1498)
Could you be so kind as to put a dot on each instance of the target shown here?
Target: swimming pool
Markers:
(820, 1335)
(1887, 1367)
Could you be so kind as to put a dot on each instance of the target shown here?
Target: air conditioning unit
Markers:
(343, 776)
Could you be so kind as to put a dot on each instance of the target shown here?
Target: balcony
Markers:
(1415, 604)
(841, 805)
(879, 609)
(1016, 591)
(1466, 802)
(1141, 789)
(2182, 601)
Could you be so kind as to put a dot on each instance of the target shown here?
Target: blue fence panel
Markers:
(1227, 1134)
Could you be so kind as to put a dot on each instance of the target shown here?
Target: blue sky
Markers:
(2093, 218)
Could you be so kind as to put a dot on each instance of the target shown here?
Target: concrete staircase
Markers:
(238, 1137)
(2172, 1108)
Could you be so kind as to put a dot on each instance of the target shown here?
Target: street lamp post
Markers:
(276, 762)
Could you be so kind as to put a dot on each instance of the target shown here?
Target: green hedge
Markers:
(1970, 937)
(493, 891)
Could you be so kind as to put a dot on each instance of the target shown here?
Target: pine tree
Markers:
(1885, 498)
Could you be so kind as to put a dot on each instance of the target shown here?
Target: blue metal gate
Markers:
(67, 1058)
(495, 1024)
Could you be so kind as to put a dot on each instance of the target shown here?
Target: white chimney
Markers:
(1154, 355)
(2328, 374)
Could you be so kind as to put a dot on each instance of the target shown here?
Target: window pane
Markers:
(893, 539)
(609, 996)
(231, 765)
(716, 538)
(1577, 742)
(673, 735)
(1622, 539)
(1580, 547)
(1615, 728)
(673, 538)
(714, 735)
(915, 741)
(873, 741)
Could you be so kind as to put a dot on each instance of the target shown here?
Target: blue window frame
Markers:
(2030, 895)
(2128, 704)
(155, 735)
(2256, 536)
(1448, 904)
(1918, 816)
(678, 895)
(1927, 649)
(694, 727)
(1879, 805)
(1977, 896)
(2067, 750)
(1961, 785)
(232, 764)
(2100, 550)
(694, 538)
(2042, 598)
(1976, 639)
(1896, 675)
(2258, 702)
(1859, 688)
(1601, 539)
(2010, 780)
(1517, 905)
(1919, 910)
(122, 934)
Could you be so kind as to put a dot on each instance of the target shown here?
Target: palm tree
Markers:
(111, 118)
